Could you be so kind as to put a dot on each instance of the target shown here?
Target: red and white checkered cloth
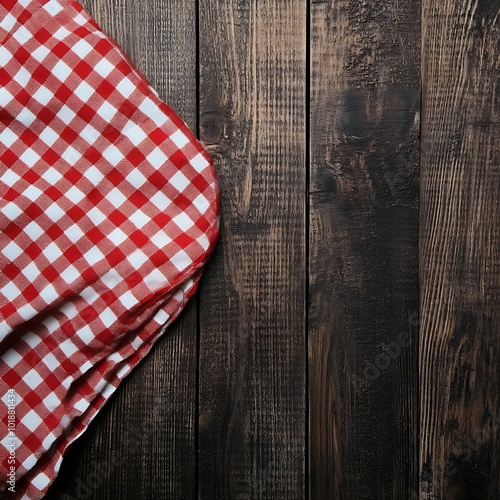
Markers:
(108, 214)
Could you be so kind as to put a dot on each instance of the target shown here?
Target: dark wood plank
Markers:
(252, 343)
(364, 248)
(142, 444)
(460, 251)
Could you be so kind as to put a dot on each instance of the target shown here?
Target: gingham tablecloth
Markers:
(108, 213)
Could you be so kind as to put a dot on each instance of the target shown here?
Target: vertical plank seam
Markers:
(419, 263)
(307, 242)
(196, 423)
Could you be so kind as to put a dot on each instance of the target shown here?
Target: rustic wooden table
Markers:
(345, 343)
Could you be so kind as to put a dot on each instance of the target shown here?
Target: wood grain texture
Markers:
(363, 249)
(252, 343)
(142, 444)
(460, 251)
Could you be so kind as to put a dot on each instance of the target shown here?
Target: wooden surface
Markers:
(252, 315)
(363, 293)
(460, 251)
(345, 341)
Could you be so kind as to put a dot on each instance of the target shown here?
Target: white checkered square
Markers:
(61, 70)
(103, 68)
(107, 111)
(31, 420)
(53, 7)
(157, 158)
(84, 91)
(81, 48)
(40, 53)
(32, 379)
(9, 178)
(5, 97)
(49, 136)
(11, 358)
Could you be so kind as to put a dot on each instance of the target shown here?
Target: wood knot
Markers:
(211, 128)
(327, 181)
